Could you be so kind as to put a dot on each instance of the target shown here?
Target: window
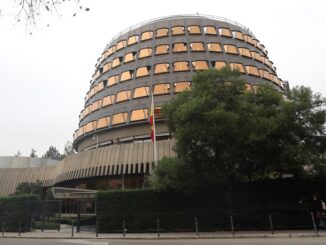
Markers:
(96, 105)
(143, 71)
(119, 118)
(268, 63)
(194, 30)
(219, 64)
(116, 62)
(265, 74)
(200, 65)
(198, 46)
(248, 39)
(100, 86)
(90, 126)
(162, 32)
(137, 115)
(252, 70)
(181, 66)
(181, 86)
(238, 66)
(129, 57)
(257, 56)
(96, 75)
(107, 67)
(162, 49)
(245, 52)
(125, 76)
(141, 92)
(237, 35)
(146, 35)
(210, 30)
(121, 44)
(87, 110)
(145, 52)
(113, 80)
(161, 68)
(163, 88)
(214, 47)
(225, 32)
(179, 47)
(178, 30)
(230, 49)
(132, 40)
(108, 100)
(111, 50)
(103, 122)
(123, 96)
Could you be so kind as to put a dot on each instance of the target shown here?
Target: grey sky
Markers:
(45, 77)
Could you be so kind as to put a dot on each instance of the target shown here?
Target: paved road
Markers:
(237, 241)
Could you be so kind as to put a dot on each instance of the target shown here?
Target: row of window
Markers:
(182, 47)
(179, 66)
(117, 119)
(158, 89)
(180, 30)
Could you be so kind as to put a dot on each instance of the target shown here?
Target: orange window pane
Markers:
(230, 49)
(113, 80)
(146, 35)
(198, 46)
(225, 32)
(142, 71)
(96, 105)
(161, 68)
(107, 67)
(121, 44)
(96, 75)
(137, 115)
(200, 65)
(265, 74)
(181, 66)
(252, 70)
(181, 86)
(237, 66)
(163, 88)
(133, 40)
(248, 39)
(245, 52)
(111, 50)
(179, 47)
(162, 32)
(119, 118)
(89, 127)
(141, 92)
(257, 56)
(210, 30)
(125, 76)
(194, 30)
(100, 86)
(219, 65)
(129, 57)
(123, 96)
(237, 35)
(116, 62)
(103, 122)
(162, 49)
(145, 52)
(178, 30)
(214, 47)
(108, 100)
(87, 110)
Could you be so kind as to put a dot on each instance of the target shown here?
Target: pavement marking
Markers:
(81, 242)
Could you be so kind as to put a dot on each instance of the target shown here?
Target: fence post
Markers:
(196, 226)
(43, 215)
(271, 223)
(232, 225)
(124, 228)
(158, 228)
(19, 228)
(314, 223)
(59, 215)
(3, 228)
(72, 228)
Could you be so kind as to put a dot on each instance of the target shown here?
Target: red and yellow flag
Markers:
(151, 121)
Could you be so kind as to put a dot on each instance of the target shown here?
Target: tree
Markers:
(29, 188)
(68, 150)
(53, 153)
(18, 154)
(225, 133)
(33, 153)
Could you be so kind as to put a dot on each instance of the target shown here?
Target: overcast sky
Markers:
(44, 77)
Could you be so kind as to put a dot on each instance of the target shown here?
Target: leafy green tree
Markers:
(68, 150)
(33, 153)
(53, 153)
(29, 188)
(225, 133)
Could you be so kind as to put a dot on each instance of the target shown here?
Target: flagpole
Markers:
(154, 130)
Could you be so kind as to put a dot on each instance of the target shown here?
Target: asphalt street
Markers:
(230, 241)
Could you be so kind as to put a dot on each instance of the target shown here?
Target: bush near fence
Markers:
(288, 201)
(15, 210)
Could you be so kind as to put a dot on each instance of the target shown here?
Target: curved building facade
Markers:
(158, 56)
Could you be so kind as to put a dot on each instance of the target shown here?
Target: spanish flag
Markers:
(152, 120)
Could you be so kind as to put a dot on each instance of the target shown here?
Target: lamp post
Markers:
(95, 136)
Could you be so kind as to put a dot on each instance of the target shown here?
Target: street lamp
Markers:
(95, 136)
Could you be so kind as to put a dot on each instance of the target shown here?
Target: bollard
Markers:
(3, 228)
(19, 228)
(232, 225)
(271, 223)
(72, 228)
(158, 228)
(314, 223)
(124, 228)
(196, 226)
